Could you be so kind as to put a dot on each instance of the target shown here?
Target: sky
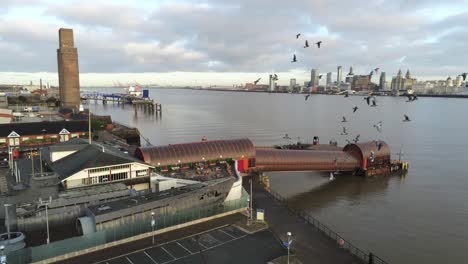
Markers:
(221, 42)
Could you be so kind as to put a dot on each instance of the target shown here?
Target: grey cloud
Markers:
(245, 36)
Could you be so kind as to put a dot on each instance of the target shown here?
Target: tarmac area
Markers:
(227, 244)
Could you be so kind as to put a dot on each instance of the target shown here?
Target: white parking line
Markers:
(207, 248)
(129, 260)
(226, 233)
(168, 252)
(150, 257)
(184, 247)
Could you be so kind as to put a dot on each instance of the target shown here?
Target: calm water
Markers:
(419, 218)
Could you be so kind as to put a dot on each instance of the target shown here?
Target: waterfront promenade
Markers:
(309, 245)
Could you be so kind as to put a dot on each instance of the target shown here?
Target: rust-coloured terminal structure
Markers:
(366, 159)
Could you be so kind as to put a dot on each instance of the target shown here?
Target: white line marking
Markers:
(150, 257)
(168, 253)
(128, 260)
(184, 247)
(226, 233)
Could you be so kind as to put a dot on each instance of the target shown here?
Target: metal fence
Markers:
(122, 231)
(342, 243)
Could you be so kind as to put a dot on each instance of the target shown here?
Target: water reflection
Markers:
(343, 188)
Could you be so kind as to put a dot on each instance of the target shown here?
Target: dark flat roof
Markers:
(43, 128)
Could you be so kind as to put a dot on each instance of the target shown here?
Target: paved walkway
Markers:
(309, 245)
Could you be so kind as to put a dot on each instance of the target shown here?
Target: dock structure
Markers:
(148, 105)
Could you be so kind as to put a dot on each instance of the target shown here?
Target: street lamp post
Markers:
(248, 211)
(289, 243)
(2, 257)
(7, 219)
(47, 222)
(153, 223)
(251, 200)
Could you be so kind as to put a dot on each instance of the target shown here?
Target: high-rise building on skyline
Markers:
(459, 81)
(272, 84)
(351, 71)
(68, 71)
(382, 81)
(314, 78)
(292, 84)
(339, 76)
(329, 80)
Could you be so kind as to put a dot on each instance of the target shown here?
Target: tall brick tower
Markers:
(69, 80)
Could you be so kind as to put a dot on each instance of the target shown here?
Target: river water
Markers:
(417, 218)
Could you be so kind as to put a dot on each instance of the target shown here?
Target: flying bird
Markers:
(355, 109)
(306, 44)
(356, 139)
(307, 97)
(286, 136)
(367, 98)
(376, 70)
(378, 126)
(318, 43)
(344, 120)
(294, 58)
(344, 131)
(379, 145)
(407, 119)
(374, 102)
(463, 75)
(275, 77)
(346, 95)
(298, 35)
(320, 76)
(256, 81)
(412, 97)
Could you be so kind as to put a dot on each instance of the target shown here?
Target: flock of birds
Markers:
(306, 45)
(371, 101)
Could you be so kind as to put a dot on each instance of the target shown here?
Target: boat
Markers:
(134, 91)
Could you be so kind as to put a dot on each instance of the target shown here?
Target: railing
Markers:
(342, 243)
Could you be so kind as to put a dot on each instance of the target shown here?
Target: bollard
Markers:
(371, 258)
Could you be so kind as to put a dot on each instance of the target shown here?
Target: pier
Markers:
(146, 104)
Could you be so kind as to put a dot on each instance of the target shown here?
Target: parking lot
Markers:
(227, 244)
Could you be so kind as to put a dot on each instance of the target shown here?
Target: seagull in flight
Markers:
(318, 43)
(367, 98)
(344, 131)
(344, 120)
(355, 140)
(307, 97)
(355, 109)
(379, 145)
(275, 77)
(320, 76)
(374, 102)
(306, 44)
(412, 97)
(346, 94)
(378, 126)
(407, 119)
(256, 81)
(286, 136)
(376, 70)
(294, 58)
(463, 75)
(298, 35)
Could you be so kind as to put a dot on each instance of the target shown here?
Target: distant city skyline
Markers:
(199, 42)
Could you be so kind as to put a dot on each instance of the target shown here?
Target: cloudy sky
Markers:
(232, 42)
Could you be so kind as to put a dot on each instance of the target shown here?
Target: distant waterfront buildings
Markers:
(361, 83)
(400, 83)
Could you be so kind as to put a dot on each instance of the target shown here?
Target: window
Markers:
(103, 178)
(25, 138)
(2, 140)
(39, 137)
